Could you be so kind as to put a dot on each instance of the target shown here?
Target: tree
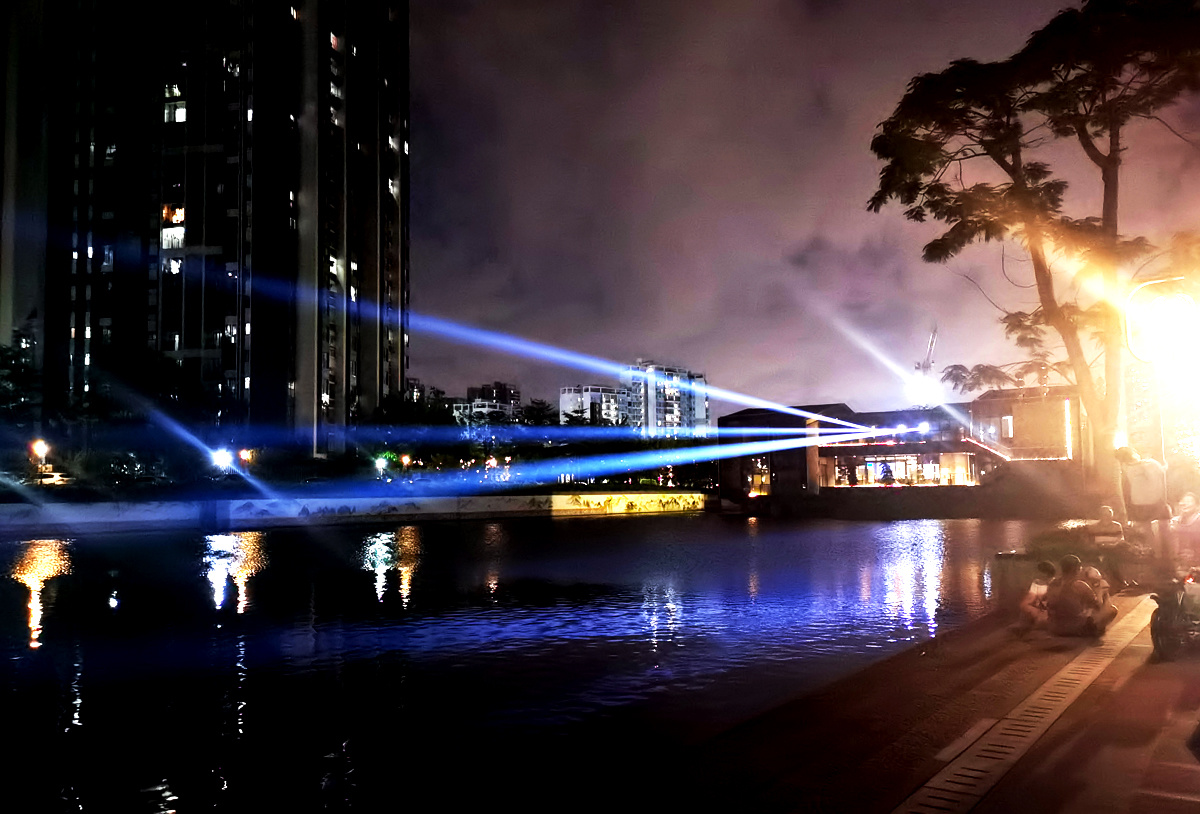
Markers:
(1085, 76)
(19, 391)
(539, 413)
(579, 417)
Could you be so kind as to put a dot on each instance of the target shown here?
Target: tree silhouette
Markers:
(1084, 78)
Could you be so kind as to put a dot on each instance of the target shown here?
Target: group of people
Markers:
(1072, 600)
(1175, 536)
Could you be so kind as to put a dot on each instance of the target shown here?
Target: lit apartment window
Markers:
(175, 111)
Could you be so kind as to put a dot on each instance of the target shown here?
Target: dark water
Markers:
(546, 664)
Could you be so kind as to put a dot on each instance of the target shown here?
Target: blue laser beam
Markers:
(536, 350)
(519, 433)
(614, 463)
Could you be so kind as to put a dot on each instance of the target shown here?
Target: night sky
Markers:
(686, 181)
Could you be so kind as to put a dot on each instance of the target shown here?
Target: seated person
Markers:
(1185, 532)
(1109, 536)
(1106, 530)
(1092, 576)
(1072, 604)
(1033, 605)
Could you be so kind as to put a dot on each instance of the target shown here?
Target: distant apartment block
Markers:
(498, 392)
(664, 401)
(599, 404)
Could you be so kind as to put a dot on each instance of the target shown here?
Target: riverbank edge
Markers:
(260, 514)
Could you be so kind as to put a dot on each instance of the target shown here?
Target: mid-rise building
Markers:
(661, 400)
(227, 209)
(596, 403)
(501, 392)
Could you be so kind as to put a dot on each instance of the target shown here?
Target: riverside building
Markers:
(964, 444)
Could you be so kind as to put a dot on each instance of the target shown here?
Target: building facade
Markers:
(226, 209)
(664, 401)
(963, 444)
(501, 393)
(597, 403)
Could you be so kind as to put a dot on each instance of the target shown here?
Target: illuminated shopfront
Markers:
(951, 445)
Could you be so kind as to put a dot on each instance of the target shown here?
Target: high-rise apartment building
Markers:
(226, 207)
(661, 400)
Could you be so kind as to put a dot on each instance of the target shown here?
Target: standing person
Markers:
(1145, 485)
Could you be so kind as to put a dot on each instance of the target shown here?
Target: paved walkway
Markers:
(871, 742)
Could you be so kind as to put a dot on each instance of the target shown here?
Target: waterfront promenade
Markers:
(915, 732)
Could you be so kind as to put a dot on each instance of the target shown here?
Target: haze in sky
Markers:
(686, 181)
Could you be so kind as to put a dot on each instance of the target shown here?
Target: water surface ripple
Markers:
(153, 672)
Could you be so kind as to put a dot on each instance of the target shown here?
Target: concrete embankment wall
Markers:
(261, 513)
(908, 502)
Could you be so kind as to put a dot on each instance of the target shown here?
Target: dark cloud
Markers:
(686, 180)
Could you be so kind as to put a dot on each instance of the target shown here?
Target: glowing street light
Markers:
(245, 455)
(380, 465)
(41, 449)
(1159, 327)
(222, 458)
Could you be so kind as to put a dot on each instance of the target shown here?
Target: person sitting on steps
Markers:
(1073, 607)
(1033, 605)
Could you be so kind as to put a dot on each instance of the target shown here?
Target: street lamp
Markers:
(380, 465)
(41, 449)
(222, 459)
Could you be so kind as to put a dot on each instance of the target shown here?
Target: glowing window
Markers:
(1006, 427)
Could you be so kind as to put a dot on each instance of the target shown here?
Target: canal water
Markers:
(544, 663)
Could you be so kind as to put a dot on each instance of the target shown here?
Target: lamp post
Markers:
(41, 449)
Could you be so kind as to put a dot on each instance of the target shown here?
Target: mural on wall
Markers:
(251, 514)
(636, 503)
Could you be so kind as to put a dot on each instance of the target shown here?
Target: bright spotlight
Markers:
(222, 458)
(924, 391)
(923, 427)
(245, 455)
(40, 448)
(381, 464)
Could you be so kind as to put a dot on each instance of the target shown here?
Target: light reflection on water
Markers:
(40, 561)
(536, 623)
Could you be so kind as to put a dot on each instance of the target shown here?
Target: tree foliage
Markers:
(962, 149)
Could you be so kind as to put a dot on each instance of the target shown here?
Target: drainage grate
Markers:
(961, 784)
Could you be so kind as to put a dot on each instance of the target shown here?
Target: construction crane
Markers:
(925, 366)
(924, 389)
